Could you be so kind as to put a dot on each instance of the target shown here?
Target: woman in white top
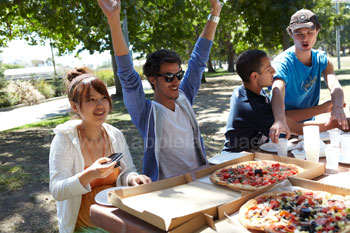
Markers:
(79, 150)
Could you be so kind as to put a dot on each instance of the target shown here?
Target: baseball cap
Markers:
(303, 19)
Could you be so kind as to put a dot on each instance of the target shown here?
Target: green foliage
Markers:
(45, 88)
(6, 99)
(106, 75)
(139, 70)
(170, 24)
(59, 85)
(3, 82)
(266, 20)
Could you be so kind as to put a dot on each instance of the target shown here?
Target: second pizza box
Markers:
(223, 225)
(311, 169)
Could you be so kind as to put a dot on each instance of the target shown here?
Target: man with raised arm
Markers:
(168, 126)
(297, 82)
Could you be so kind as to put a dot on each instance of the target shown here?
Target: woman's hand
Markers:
(96, 170)
(110, 7)
(100, 170)
(135, 180)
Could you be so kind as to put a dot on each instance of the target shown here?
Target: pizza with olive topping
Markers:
(297, 211)
(252, 175)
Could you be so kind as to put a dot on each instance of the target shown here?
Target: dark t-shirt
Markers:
(250, 118)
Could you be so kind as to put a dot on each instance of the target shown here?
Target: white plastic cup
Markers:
(312, 142)
(282, 147)
(334, 136)
(332, 156)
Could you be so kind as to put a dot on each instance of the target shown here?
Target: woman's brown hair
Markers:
(80, 82)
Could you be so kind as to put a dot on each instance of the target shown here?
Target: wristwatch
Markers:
(214, 18)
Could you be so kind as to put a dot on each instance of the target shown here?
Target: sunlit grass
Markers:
(12, 177)
(342, 71)
(344, 82)
(48, 123)
(344, 62)
(217, 73)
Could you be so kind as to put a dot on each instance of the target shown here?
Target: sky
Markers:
(19, 52)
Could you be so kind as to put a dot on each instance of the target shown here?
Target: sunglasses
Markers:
(169, 77)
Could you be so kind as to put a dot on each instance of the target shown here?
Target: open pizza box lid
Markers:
(311, 169)
(169, 203)
(224, 225)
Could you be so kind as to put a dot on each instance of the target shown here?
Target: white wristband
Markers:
(213, 18)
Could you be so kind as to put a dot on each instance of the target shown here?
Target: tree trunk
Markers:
(285, 40)
(210, 66)
(230, 59)
(118, 86)
(203, 78)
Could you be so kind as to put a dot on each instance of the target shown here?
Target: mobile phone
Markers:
(115, 157)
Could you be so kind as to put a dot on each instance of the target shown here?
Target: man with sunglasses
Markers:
(168, 126)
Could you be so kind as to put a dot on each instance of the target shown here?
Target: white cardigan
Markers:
(66, 160)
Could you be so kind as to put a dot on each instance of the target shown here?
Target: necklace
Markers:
(81, 132)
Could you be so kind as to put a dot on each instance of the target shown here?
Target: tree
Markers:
(267, 21)
(152, 24)
(228, 42)
(344, 22)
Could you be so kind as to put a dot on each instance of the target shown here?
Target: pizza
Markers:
(297, 211)
(253, 175)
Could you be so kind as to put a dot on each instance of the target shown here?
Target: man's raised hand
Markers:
(216, 7)
(110, 7)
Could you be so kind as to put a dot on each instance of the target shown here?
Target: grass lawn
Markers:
(343, 76)
(344, 62)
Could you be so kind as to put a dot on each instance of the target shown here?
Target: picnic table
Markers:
(113, 219)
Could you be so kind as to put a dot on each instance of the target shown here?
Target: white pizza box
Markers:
(184, 203)
(311, 169)
(232, 224)
(169, 203)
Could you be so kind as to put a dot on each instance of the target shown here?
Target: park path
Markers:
(30, 114)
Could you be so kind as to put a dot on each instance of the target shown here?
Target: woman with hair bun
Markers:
(79, 150)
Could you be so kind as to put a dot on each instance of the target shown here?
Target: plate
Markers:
(324, 136)
(300, 146)
(343, 159)
(271, 147)
(299, 154)
(102, 197)
(225, 156)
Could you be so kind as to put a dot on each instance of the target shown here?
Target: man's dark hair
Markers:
(249, 62)
(156, 59)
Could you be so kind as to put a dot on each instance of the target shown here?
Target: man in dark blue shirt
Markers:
(251, 113)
